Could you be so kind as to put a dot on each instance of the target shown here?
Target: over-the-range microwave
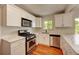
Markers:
(26, 22)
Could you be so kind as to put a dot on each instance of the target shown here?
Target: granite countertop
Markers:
(12, 37)
(73, 41)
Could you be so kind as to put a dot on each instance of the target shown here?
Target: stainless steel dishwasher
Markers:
(54, 40)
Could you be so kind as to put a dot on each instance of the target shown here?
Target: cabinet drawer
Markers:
(18, 43)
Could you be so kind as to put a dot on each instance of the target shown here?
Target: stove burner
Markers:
(26, 34)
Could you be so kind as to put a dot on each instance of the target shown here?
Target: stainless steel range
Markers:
(30, 39)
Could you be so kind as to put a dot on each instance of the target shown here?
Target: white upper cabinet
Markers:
(58, 20)
(68, 20)
(14, 15)
(37, 22)
(64, 20)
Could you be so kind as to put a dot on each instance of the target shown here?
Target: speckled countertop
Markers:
(12, 37)
(73, 41)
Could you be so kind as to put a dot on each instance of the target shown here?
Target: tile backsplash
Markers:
(10, 29)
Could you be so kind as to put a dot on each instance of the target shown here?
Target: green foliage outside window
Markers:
(77, 25)
(48, 24)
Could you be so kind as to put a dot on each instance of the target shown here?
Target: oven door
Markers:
(31, 44)
(26, 22)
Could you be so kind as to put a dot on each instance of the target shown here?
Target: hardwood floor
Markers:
(46, 50)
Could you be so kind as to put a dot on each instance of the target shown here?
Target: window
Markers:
(48, 24)
(77, 25)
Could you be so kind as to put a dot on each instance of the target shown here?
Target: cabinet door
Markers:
(42, 39)
(58, 20)
(26, 15)
(13, 15)
(18, 47)
(18, 50)
(37, 22)
(68, 20)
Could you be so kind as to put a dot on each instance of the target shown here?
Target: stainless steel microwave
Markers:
(26, 23)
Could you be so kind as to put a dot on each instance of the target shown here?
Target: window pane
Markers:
(77, 25)
(45, 24)
(48, 24)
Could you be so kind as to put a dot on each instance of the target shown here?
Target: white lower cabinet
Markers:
(42, 39)
(13, 48)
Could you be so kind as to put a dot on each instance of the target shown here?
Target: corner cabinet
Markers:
(64, 20)
(12, 15)
(37, 22)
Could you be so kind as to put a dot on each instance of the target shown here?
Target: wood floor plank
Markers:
(46, 50)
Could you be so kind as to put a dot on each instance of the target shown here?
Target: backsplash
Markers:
(10, 29)
(56, 31)
(62, 31)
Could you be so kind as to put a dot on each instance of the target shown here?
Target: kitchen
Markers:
(25, 21)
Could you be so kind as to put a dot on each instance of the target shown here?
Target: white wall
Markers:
(10, 29)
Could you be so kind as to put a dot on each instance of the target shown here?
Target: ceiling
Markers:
(76, 10)
(43, 9)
